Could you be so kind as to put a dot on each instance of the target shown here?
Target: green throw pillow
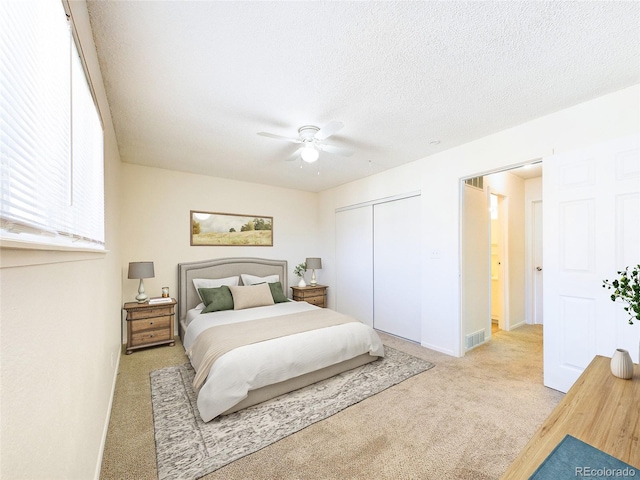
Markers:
(276, 292)
(216, 299)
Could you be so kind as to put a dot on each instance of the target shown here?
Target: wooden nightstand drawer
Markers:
(150, 336)
(149, 312)
(153, 323)
(318, 301)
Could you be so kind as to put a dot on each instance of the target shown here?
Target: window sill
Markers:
(22, 254)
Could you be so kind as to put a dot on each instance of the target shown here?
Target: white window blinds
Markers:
(51, 139)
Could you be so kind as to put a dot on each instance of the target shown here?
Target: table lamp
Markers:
(141, 270)
(313, 263)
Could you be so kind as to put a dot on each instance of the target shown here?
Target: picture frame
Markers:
(230, 229)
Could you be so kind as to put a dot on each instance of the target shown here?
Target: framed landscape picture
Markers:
(229, 229)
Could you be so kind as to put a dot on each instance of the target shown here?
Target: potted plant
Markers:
(300, 270)
(626, 289)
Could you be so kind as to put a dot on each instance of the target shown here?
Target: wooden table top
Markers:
(599, 409)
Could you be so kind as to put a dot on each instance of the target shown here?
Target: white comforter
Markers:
(253, 366)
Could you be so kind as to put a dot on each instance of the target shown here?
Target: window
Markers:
(51, 138)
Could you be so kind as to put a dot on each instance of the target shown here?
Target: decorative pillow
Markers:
(216, 299)
(251, 296)
(253, 280)
(213, 283)
(276, 292)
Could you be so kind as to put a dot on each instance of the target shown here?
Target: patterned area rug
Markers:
(186, 447)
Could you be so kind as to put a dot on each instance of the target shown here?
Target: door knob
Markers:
(539, 269)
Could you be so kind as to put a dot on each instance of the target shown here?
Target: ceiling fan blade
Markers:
(328, 130)
(337, 150)
(279, 137)
(294, 156)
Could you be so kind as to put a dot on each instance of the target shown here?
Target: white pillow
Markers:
(252, 279)
(251, 296)
(214, 283)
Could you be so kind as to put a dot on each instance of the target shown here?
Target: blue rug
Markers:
(573, 459)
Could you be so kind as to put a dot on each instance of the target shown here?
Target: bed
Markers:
(263, 369)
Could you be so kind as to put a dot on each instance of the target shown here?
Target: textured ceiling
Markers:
(190, 83)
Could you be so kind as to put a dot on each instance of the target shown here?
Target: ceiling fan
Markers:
(311, 139)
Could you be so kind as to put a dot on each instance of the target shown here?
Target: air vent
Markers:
(475, 182)
(475, 339)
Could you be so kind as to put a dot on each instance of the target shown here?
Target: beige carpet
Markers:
(467, 418)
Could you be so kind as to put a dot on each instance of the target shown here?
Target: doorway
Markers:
(498, 258)
(508, 285)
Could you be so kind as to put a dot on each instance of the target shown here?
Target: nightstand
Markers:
(149, 325)
(315, 295)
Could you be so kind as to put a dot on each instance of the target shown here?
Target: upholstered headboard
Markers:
(221, 268)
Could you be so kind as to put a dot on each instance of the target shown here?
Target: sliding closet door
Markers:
(397, 268)
(354, 275)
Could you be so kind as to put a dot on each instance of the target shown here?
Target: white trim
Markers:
(105, 430)
(437, 348)
(40, 245)
(393, 198)
(506, 168)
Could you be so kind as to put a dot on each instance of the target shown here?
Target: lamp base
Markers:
(142, 296)
(313, 278)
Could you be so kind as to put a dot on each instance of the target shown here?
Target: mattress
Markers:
(252, 367)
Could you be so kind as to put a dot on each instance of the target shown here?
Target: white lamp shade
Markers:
(141, 270)
(314, 263)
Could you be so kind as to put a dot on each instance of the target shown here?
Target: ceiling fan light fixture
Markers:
(309, 153)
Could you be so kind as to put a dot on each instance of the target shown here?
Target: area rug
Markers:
(574, 458)
(188, 448)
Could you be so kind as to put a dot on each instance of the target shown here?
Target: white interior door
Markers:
(591, 229)
(396, 272)
(537, 263)
(354, 263)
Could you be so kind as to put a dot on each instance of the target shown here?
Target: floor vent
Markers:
(474, 339)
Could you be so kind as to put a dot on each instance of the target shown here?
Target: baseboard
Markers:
(439, 349)
(517, 325)
(105, 430)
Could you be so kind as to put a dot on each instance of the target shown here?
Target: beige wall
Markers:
(438, 177)
(155, 222)
(60, 337)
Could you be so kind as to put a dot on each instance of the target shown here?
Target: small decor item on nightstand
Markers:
(621, 364)
(159, 300)
(165, 292)
(313, 263)
(141, 270)
(299, 272)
